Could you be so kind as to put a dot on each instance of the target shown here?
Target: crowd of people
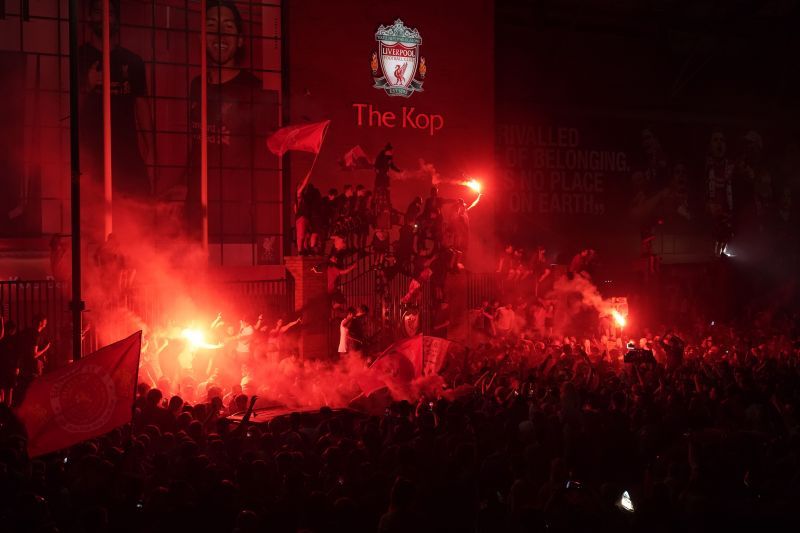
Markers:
(350, 222)
(528, 435)
(531, 291)
(425, 243)
(224, 355)
(547, 422)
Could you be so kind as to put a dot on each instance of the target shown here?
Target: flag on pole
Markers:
(355, 159)
(302, 137)
(83, 400)
(403, 362)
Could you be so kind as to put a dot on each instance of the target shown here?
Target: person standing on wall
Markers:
(382, 200)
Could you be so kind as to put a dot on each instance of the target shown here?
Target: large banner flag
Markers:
(83, 400)
(302, 137)
(406, 360)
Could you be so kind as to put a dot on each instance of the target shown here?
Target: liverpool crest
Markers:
(398, 59)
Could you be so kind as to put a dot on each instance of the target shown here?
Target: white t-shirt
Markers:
(505, 319)
(343, 330)
(246, 336)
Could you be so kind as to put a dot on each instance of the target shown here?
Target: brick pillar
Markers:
(311, 298)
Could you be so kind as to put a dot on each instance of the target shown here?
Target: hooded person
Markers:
(381, 201)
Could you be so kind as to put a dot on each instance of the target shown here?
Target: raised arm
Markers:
(544, 275)
(161, 348)
(246, 420)
(290, 325)
(217, 321)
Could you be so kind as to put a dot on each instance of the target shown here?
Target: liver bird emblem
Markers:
(400, 74)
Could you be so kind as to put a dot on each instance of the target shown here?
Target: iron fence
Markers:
(274, 297)
(21, 300)
(386, 309)
(482, 287)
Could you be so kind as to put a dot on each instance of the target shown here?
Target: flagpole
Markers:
(76, 304)
(308, 174)
(204, 127)
(314, 162)
(136, 381)
(107, 175)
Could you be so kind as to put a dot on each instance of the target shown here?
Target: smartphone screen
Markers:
(625, 503)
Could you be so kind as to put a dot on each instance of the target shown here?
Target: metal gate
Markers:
(21, 300)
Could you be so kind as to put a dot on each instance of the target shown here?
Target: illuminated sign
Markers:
(409, 117)
(398, 59)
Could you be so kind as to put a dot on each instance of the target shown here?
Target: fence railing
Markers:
(384, 325)
(273, 297)
(482, 286)
(269, 296)
(385, 307)
(21, 300)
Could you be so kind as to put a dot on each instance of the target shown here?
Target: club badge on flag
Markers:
(83, 400)
(302, 137)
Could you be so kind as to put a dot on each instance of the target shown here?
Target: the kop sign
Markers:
(399, 70)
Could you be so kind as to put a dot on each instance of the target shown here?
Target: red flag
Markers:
(391, 370)
(411, 349)
(355, 159)
(396, 367)
(83, 400)
(303, 137)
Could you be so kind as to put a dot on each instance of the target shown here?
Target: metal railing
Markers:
(482, 287)
(274, 297)
(386, 310)
(269, 296)
(21, 300)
